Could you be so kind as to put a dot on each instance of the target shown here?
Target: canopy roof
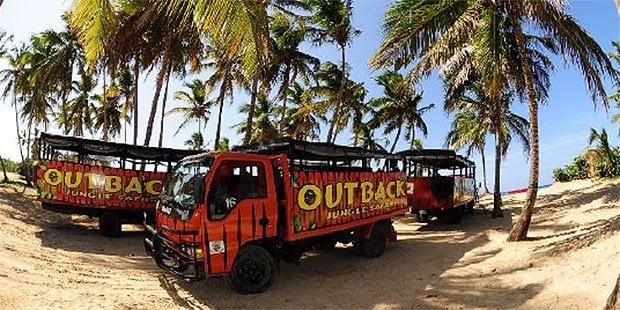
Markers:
(127, 151)
(297, 149)
(440, 158)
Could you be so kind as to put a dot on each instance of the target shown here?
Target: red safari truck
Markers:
(239, 213)
(100, 179)
(439, 183)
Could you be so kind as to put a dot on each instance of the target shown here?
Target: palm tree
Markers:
(303, 120)
(227, 73)
(12, 77)
(108, 115)
(224, 145)
(125, 84)
(333, 25)
(482, 116)
(465, 132)
(80, 108)
(288, 62)
(398, 107)
(196, 142)
(433, 32)
(197, 105)
(265, 129)
(604, 151)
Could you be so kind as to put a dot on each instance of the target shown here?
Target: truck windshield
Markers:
(179, 189)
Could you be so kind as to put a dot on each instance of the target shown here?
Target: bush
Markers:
(560, 175)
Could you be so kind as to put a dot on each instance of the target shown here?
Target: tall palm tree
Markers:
(399, 106)
(465, 132)
(107, 113)
(332, 19)
(197, 105)
(303, 119)
(81, 108)
(12, 78)
(604, 151)
(432, 32)
(288, 62)
(227, 73)
(482, 116)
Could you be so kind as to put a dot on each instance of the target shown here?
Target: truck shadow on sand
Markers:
(411, 274)
(73, 234)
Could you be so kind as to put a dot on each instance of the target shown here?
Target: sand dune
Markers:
(49, 260)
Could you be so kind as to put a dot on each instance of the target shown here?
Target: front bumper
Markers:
(170, 255)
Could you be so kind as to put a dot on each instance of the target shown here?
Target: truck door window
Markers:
(234, 181)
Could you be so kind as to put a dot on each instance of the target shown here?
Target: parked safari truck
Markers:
(439, 183)
(99, 179)
(239, 213)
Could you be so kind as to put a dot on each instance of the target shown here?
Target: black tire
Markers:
(455, 215)
(326, 245)
(423, 218)
(110, 224)
(470, 207)
(374, 246)
(254, 270)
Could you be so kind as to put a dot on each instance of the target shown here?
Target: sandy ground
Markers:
(49, 260)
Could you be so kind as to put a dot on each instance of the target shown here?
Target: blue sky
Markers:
(564, 122)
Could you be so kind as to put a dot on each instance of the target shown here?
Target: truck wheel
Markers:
(455, 215)
(254, 270)
(374, 246)
(326, 245)
(470, 207)
(110, 224)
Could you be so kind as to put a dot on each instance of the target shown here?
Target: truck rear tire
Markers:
(423, 218)
(254, 270)
(374, 246)
(326, 245)
(455, 215)
(110, 224)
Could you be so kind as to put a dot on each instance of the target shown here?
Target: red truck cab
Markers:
(439, 183)
(239, 213)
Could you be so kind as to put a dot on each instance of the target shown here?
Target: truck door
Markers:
(241, 207)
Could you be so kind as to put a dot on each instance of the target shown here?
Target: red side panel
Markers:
(420, 195)
(325, 202)
(69, 183)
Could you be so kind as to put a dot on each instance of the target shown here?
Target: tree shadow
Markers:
(410, 274)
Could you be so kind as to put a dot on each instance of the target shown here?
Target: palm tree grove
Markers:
(419, 154)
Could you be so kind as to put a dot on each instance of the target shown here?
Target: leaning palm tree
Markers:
(399, 106)
(332, 20)
(432, 32)
(197, 105)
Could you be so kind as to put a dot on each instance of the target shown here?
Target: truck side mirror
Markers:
(199, 189)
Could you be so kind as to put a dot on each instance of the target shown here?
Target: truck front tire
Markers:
(254, 270)
(374, 246)
(110, 224)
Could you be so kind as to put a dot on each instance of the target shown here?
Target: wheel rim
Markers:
(251, 271)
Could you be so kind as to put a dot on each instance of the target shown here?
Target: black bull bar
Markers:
(179, 259)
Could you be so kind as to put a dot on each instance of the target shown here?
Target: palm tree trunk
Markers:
(412, 137)
(331, 134)
(484, 170)
(220, 100)
(106, 124)
(519, 230)
(253, 93)
(497, 195)
(6, 178)
(158, 86)
(136, 74)
(284, 97)
(396, 139)
(163, 109)
(19, 136)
